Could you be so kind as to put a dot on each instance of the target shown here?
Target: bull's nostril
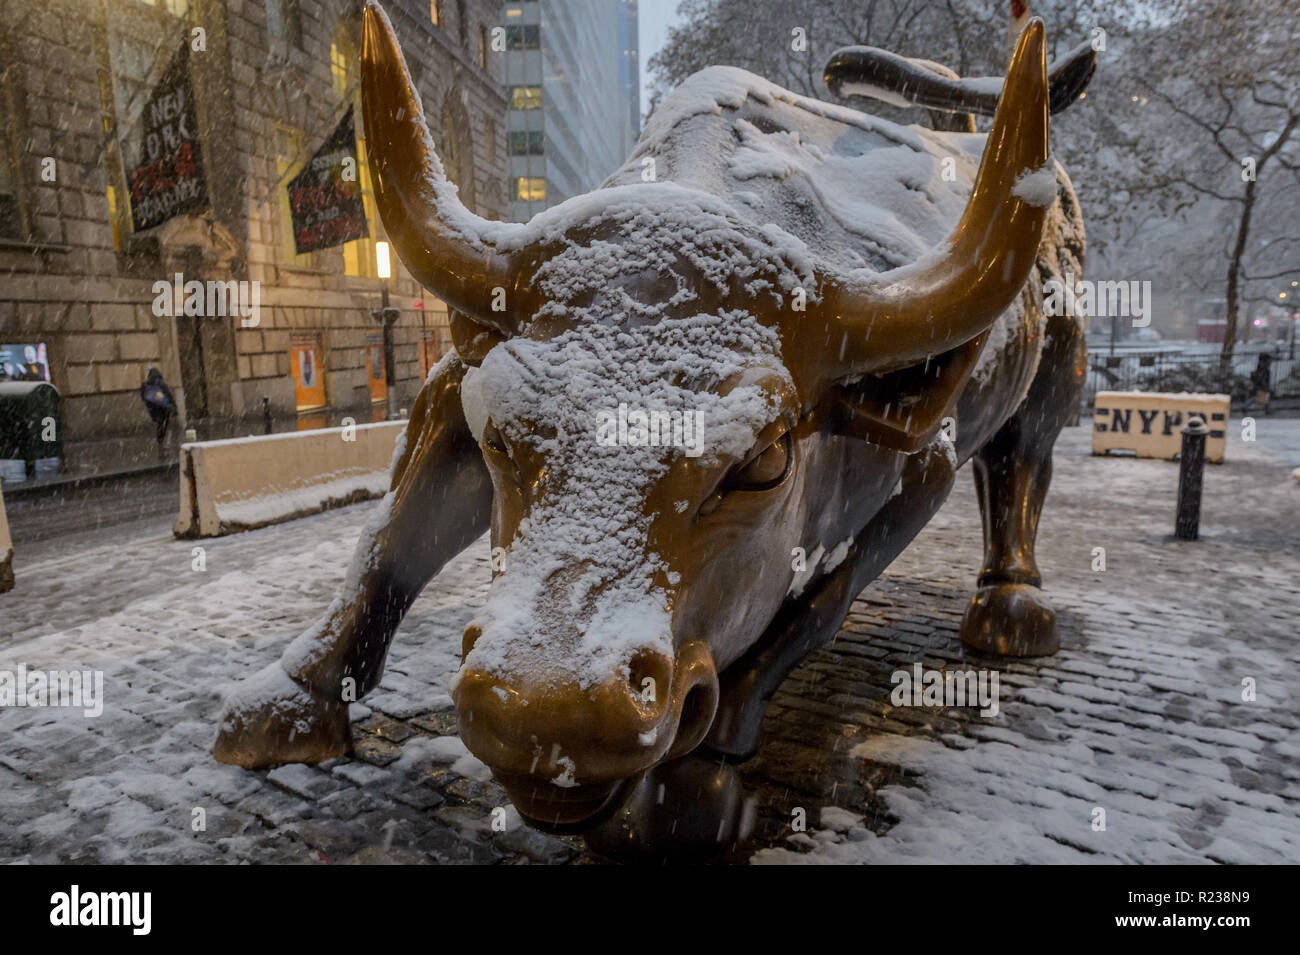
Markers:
(650, 677)
(698, 710)
(468, 639)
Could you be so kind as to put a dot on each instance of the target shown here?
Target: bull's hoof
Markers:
(1013, 620)
(690, 809)
(270, 719)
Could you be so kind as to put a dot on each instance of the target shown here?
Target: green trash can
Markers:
(31, 424)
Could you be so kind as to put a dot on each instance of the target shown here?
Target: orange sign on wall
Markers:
(308, 360)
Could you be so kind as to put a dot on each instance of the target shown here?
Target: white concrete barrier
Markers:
(6, 550)
(242, 483)
(1150, 423)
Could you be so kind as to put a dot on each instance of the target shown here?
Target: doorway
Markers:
(189, 341)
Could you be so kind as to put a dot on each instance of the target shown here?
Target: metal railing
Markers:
(1195, 369)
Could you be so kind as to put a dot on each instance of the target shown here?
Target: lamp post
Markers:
(386, 315)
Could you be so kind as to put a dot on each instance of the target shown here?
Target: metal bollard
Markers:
(266, 413)
(1191, 474)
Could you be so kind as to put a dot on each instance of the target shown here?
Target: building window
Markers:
(359, 254)
(284, 21)
(490, 139)
(288, 155)
(11, 224)
(482, 46)
(462, 24)
(435, 12)
(530, 189)
(523, 37)
(526, 144)
(127, 70)
(525, 97)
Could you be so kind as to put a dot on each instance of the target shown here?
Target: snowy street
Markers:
(1141, 715)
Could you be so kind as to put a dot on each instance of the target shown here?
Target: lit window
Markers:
(288, 154)
(113, 217)
(482, 46)
(435, 12)
(359, 254)
(525, 97)
(530, 189)
(177, 8)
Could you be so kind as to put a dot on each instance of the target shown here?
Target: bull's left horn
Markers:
(438, 239)
(880, 322)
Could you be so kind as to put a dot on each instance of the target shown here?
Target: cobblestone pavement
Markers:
(1140, 715)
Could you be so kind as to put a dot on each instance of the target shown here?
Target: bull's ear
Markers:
(903, 409)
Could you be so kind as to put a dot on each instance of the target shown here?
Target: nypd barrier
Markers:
(1150, 424)
(241, 483)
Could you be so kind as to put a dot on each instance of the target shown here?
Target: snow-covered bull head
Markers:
(662, 394)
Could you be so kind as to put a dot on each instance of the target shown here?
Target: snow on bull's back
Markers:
(857, 190)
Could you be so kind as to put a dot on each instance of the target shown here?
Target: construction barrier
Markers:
(242, 483)
(1149, 423)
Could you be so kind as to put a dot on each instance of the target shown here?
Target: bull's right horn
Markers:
(878, 322)
(438, 239)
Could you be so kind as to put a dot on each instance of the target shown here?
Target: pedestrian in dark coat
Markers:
(1261, 381)
(158, 400)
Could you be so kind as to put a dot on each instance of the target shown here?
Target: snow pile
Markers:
(1038, 186)
(857, 190)
(274, 504)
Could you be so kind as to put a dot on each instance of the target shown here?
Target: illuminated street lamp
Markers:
(386, 315)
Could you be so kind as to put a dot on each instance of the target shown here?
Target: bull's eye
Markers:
(764, 470)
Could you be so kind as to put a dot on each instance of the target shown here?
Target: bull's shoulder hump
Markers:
(857, 189)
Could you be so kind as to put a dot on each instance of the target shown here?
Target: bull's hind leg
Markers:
(1009, 614)
(296, 710)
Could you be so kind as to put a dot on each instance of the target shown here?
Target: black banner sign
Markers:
(168, 181)
(325, 198)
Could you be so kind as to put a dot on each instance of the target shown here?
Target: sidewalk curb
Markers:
(42, 488)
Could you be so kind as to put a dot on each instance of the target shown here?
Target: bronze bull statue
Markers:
(783, 341)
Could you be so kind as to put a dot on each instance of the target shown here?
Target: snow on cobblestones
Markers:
(1140, 714)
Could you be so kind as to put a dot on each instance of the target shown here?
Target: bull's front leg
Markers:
(439, 502)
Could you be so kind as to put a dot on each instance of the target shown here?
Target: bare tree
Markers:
(1212, 121)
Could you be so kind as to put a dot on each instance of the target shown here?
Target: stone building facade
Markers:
(270, 79)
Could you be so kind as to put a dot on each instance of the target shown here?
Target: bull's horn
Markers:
(438, 239)
(880, 322)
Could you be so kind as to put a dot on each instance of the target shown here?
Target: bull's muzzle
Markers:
(563, 752)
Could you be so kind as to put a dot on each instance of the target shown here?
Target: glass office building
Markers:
(573, 97)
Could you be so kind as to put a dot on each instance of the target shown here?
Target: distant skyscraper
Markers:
(572, 73)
